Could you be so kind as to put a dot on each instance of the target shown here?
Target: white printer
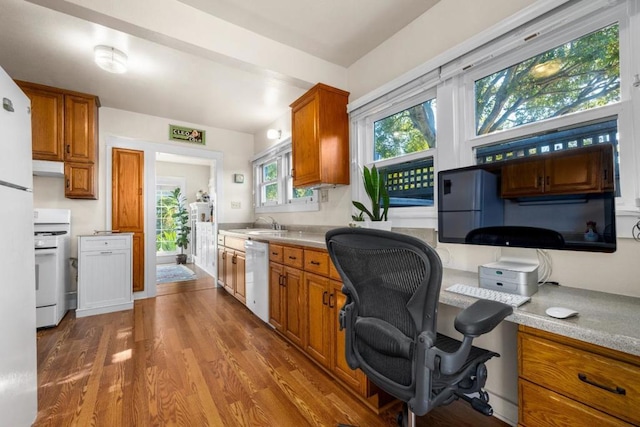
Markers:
(509, 276)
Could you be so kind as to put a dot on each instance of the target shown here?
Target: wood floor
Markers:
(195, 356)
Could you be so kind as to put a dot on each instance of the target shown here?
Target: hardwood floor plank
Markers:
(195, 356)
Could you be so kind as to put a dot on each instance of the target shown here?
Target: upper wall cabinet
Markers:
(585, 170)
(320, 137)
(65, 128)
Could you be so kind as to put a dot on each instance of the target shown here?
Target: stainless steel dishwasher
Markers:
(257, 278)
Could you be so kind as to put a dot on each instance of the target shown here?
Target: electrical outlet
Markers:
(324, 195)
(235, 205)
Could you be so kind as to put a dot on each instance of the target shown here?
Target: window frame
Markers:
(281, 153)
(176, 181)
(452, 76)
(621, 110)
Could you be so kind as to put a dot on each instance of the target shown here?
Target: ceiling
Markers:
(231, 64)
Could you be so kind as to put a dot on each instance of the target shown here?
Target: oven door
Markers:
(46, 275)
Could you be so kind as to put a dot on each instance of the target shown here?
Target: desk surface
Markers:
(608, 320)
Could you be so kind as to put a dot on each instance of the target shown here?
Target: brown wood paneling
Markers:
(127, 212)
(47, 122)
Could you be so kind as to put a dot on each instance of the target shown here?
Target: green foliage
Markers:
(376, 189)
(180, 215)
(408, 131)
(581, 74)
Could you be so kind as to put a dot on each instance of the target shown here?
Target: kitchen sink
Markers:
(258, 231)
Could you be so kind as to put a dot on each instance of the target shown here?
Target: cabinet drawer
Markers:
(540, 407)
(102, 243)
(275, 253)
(293, 257)
(234, 243)
(220, 240)
(316, 262)
(610, 385)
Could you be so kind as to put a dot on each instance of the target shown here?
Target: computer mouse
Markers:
(560, 312)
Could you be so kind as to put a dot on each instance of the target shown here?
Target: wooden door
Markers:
(240, 280)
(80, 181)
(317, 317)
(47, 122)
(80, 124)
(305, 144)
(294, 289)
(127, 212)
(276, 296)
(339, 366)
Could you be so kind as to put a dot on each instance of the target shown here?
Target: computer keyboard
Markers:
(482, 293)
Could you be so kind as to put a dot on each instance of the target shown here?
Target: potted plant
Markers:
(181, 218)
(376, 189)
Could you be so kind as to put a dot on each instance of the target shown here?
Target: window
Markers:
(575, 76)
(165, 207)
(274, 190)
(408, 131)
(561, 81)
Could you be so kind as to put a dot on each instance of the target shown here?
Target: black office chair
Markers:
(392, 284)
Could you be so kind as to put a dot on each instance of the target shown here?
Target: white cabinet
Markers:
(104, 274)
(205, 255)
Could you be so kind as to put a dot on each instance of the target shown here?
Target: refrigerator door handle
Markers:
(15, 186)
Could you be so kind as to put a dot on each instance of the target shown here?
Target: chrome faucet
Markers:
(271, 220)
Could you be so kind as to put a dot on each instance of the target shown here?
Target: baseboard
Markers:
(503, 409)
(103, 310)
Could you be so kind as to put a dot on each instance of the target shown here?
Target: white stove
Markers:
(52, 229)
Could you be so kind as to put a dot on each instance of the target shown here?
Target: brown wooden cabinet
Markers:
(320, 137)
(64, 127)
(231, 266)
(566, 382)
(319, 318)
(585, 170)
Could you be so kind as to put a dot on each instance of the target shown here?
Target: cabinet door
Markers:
(523, 179)
(80, 124)
(318, 318)
(228, 271)
(305, 143)
(104, 278)
(240, 291)
(80, 181)
(354, 378)
(221, 266)
(294, 290)
(138, 265)
(577, 173)
(277, 305)
(47, 123)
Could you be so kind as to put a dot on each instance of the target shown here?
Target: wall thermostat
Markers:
(238, 178)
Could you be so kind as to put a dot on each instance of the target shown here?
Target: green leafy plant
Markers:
(376, 189)
(181, 218)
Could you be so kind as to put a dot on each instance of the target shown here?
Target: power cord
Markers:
(544, 260)
(635, 231)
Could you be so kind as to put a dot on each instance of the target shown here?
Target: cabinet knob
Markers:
(331, 304)
(324, 294)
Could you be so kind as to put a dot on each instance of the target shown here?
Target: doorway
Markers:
(150, 151)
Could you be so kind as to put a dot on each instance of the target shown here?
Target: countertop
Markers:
(607, 320)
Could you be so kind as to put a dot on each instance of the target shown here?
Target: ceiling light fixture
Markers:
(110, 59)
(274, 134)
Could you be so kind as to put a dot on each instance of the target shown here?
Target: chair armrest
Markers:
(481, 317)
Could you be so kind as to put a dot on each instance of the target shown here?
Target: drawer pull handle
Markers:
(324, 294)
(292, 257)
(274, 253)
(617, 390)
(314, 262)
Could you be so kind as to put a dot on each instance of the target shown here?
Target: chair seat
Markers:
(450, 345)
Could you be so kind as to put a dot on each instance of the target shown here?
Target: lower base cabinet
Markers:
(566, 382)
(305, 297)
(231, 266)
(104, 274)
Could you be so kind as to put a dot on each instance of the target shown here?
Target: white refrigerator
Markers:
(18, 367)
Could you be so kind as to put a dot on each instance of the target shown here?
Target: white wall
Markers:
(196, 176)
(90, 215)
(442, 27)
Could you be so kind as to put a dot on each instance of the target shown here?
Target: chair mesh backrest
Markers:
(393, 278)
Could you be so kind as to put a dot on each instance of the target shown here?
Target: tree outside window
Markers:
(576, 76)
